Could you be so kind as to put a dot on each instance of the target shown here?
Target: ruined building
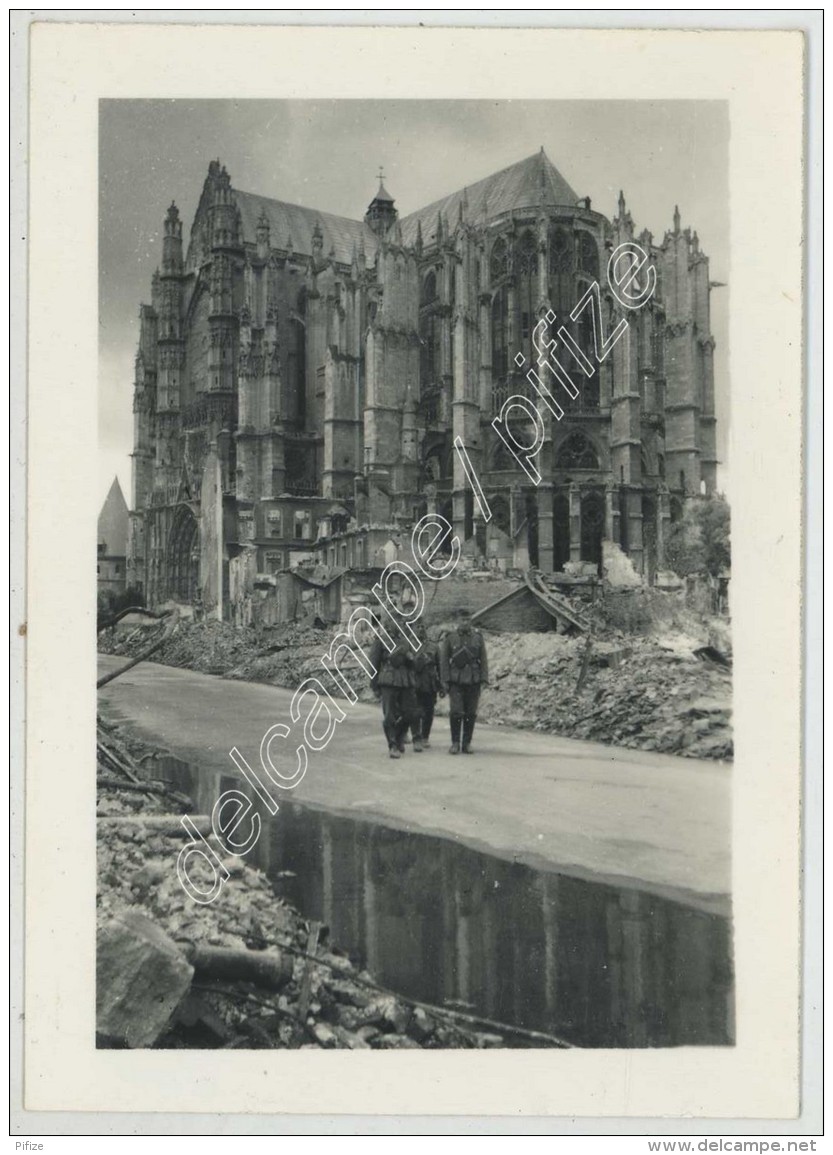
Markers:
(301, 378)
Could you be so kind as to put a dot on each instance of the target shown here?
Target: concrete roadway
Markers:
(654, 821)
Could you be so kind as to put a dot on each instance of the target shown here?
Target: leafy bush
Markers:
(699, 543)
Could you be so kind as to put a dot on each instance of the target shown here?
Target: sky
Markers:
(326, 155)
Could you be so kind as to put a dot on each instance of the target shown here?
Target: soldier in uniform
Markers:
(464, 669)
(427, 682)
(393, 685)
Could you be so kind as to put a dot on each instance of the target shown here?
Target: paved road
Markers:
(595, 811)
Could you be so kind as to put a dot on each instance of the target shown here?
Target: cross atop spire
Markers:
(381, 213)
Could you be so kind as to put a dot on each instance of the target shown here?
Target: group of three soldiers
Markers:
(408, 683)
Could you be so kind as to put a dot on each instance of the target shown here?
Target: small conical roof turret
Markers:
(381, 212)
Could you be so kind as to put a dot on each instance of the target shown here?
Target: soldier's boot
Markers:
(468, 732)
(456, 721)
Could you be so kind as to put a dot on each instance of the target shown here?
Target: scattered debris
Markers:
(247, 972)
(634, 692)
(638, 695)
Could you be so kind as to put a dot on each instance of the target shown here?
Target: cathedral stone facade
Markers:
(301, 379)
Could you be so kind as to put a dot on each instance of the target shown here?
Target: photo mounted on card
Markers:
(422, 661)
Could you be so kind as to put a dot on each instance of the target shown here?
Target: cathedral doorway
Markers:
(184, 554)
(592, 527)
(531, 511)
(560, 532)
(445, 509)
(468, 516)
(649, 536)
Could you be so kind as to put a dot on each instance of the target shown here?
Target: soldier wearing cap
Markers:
(464, 669)
(393, 685)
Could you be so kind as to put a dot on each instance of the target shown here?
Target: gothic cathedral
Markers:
(301, 379)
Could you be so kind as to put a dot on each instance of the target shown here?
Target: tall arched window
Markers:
(592, 527)
(527, 282)
(297, 375)
(561, 271)
(588, 387)
(501, 516)
(560, 261)
(500, 335)
(576, 452)
(499, 260)
(429, 349)
(588, 255)
(429, 289)
(501, 459)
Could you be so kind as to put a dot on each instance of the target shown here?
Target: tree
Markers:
(699, 542)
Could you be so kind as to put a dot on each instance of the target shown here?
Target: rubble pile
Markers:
(642, 693)
(176, 974)
(280, 656)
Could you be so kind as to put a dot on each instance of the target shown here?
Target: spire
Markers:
(262, 233)
(317, 239)
(676, 219)
(381, 212)
(173, 225)
(419, 243)
(383, 195)
(621, 205)
(172, 242)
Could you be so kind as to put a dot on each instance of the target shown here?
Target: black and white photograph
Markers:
(413, 440)
(429, 401)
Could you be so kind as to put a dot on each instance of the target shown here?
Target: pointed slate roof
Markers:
(383, 195)
(339, 234)
(112, 522)
(525, 184)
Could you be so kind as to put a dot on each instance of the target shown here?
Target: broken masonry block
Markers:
(141, 977)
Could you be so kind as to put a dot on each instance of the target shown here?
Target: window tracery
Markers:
(577, 452)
